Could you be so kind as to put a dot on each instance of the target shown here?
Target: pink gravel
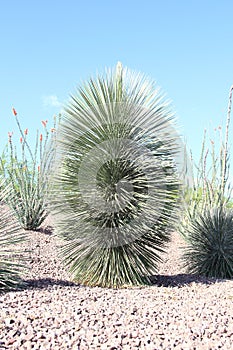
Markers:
(179, 311)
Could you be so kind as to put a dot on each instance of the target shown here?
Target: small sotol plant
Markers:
(210, 249)
(26, 172)
(12, 258)
(208, 223)
(115, 185)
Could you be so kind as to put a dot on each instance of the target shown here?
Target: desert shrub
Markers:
(210, 243)
(26, 171)
(12, 258)
(2, 164)
(115, 185)
(207, 222)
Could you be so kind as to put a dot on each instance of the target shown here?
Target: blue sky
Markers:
(48, 47)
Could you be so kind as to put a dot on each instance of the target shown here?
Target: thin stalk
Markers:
(225, 153)
(23, 136)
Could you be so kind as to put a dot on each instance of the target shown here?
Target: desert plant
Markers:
(210, 243)
(115, 187)
(211, 186)
(12, 259)
(2, 164)
(207, 225)
(26, 172)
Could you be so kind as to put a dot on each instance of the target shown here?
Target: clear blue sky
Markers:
(48, 47)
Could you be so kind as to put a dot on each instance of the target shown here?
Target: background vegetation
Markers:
(207, 224)
(25, 172)
(111, 180)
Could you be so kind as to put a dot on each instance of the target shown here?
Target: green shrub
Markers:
(207, 224)
(26, 172)
(115, 185)
(12, 259)
(210, 244)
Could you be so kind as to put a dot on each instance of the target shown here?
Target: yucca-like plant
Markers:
(12, 258)
(210, 243)
(115, 183)
(26, 171)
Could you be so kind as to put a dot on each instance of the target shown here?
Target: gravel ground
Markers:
(179, 311)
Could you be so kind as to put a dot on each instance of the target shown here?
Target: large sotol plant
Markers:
(115, 183)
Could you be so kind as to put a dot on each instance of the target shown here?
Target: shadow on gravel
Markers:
(181, 280)
(42, 283)
(47, 230)
(46, 282)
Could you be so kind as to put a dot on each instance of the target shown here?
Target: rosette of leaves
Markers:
(115, 185)
(209, 250)
(12, 258)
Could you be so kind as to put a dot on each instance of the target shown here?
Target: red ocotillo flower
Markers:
(14, 112)
(21, 139)
(41, 137)
(38, 168)
(44, 122)
(26, 131)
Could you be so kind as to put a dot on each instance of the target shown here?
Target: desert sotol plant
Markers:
(210, 243)
(208, 225)
(26, 172)
(12, 258)
(115, 187)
